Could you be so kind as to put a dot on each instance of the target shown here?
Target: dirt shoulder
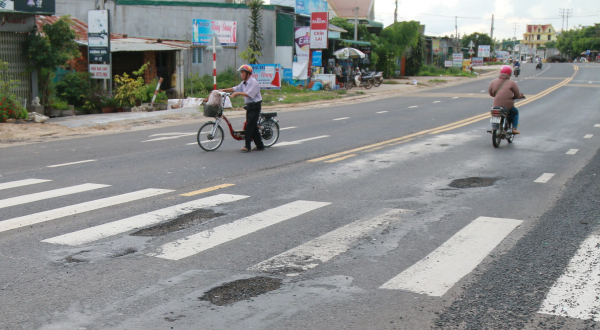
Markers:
(20, 132)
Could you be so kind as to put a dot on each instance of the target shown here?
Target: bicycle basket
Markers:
(211, 110)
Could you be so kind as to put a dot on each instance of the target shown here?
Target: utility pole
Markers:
(355, 24)
(456, 32)
(565, 13)
(396, 13)
(515, 39)
(492, 30)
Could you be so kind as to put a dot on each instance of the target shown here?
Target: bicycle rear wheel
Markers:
(269, 131)
(209, 140)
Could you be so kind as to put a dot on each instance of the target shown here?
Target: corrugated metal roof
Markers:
(125, 45)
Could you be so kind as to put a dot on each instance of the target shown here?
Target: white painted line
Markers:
(414, 106)
(381, 112)
(575, 293)
(572, 151)
(342, 118)
(170, 137)
(597, 125)
(588, 136)
(457, 257)
(139, 221)
(482, 91)
(172, 134)
(73, 163)
(20, 183)
(437, 101)
(24, 199)
(544, 178)
(470, 93)
(189, 144)
(32, 219)
(208, 239)
(281, 129)
(455, 97)
(324, 248)
(299, 141)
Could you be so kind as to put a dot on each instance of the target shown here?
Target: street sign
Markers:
(471, 52)
(588, 52)
(471, 44)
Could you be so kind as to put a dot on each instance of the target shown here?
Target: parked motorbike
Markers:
(377, 77)
(359, 80)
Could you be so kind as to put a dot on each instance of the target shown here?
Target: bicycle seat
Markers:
(269, 114)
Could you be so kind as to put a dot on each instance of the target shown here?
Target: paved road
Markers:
(355, 218)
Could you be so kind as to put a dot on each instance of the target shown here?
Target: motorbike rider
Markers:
(249, 88)
(505, 91)
(517, 64)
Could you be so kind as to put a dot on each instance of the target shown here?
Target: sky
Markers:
(511, 17)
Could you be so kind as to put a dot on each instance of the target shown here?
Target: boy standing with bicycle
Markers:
(249, 88)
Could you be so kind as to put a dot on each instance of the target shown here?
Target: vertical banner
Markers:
(319, 25)
(268, 75)
(204, 29)
(317, 58)
(302, 42)
(435, 45)
(98, 36)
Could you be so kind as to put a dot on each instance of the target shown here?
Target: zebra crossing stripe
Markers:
(18, 200)
(208, 239)
(324, 248)
(457, 257)
(139, 221)
(575, 293)
(19, 183)
(32, 219)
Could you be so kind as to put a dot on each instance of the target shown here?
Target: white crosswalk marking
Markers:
(20, 183)
(281, 144)
(18, 200)
(174, 136)
(457, 257)
(544, 178)
(207, 239)
(139, 221)
(588, 136)
(326, 247)
(572, 151)
(575, 294)
(31, 219)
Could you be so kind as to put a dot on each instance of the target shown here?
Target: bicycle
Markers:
(214, 134)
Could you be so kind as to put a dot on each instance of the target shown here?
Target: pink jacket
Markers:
(506, 95)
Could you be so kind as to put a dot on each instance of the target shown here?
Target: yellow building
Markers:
(538, 35)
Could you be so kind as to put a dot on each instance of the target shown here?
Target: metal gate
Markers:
(11, 51)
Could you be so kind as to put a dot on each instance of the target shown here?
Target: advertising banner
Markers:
(435, 45)
(477, 61)
(307, 7)
(204, 29)
(448, 64)
(319, 25)
(483, 51)
(302, 42)
(16, 22)
(98, 36)
(466, 65)
(100, 71)
(268, 75)
(30, 6)
(317, 58)
(457, 59)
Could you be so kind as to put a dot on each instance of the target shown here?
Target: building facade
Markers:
(538, 35)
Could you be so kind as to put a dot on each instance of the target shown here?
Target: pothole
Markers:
(123, 252)
(473, 182)
(72, 258)
(181, 222)
(239, 290)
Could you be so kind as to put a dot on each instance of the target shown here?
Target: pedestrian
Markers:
(250, 90)
(337, 70)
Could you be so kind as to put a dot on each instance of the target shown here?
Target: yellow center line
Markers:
(368, 148)
(201, 191)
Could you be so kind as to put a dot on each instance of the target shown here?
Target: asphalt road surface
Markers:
(392, 214)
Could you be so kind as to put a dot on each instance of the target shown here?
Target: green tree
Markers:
(478, 39)
(253, 51)
(574, 42)
(50, 48)
(415, 58)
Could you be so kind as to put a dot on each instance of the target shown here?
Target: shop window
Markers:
(539, 37)
(197, 55)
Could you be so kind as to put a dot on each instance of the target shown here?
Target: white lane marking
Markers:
(544, 178)
(281, 129)
(207, 239)
(73, 163)
(342, 118)
(470, 93)
(455, 97)
(20, 183)
(381, 112)
(597, 125)
(324, 248)
(457, 257)
(575, 293)
(588, 136)
(437, 101)
(572, 151)
(139, 221)
(170, 137)
(18, 200)
(32, 219)
(482, 91)
(414, 106)
(299, 141)
(172, 134)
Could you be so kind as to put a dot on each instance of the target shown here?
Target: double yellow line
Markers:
(372, 147)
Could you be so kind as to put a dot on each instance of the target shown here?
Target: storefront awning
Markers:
(354, 42)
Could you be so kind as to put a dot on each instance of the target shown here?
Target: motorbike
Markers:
(517, 71)
(501, 127)
(359, 80)
(538, 66)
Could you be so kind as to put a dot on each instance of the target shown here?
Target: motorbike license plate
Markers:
(495, 120)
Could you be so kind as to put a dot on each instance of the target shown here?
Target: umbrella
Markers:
(348, 52)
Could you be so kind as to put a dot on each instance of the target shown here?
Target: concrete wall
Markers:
(173, 22)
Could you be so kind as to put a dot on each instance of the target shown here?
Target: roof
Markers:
(336, 28)
(344, 8)
(118, 42)
(533, 27)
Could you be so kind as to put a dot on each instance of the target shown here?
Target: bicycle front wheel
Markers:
(269, 131)
(210, 136)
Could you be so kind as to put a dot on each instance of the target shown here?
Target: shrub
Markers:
(197, 86)
(74, 87)
(58, 104)
(11, 108)
(130, 90)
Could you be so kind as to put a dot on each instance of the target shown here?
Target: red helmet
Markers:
(245, 67)
(506, 69)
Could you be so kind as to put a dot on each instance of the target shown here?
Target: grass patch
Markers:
(360, 93)
(437, 81)
(430, 70)
(391, 82)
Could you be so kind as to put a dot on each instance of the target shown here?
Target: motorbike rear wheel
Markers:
(369, 84)
(497, 135)
(349, 84)
(377, 82)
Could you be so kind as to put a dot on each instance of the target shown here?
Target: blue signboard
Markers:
(317, 58)
(305, 7)
(203, 31)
